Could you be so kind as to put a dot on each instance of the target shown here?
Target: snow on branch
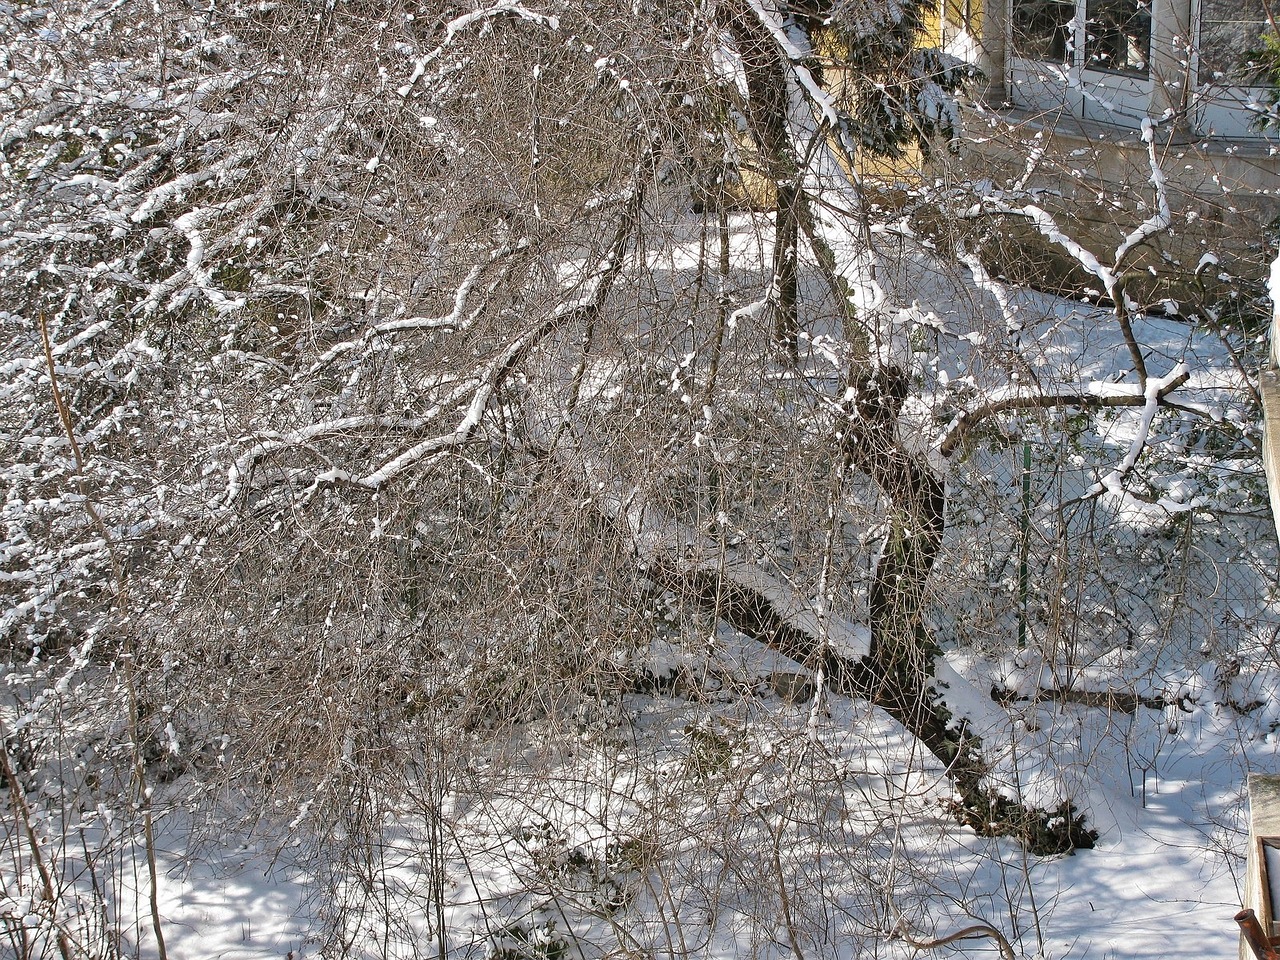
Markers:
(1044, 222)
(194, 269)
(452, 321)
(795, 56)
(480, 386)
(455, 26)
(268, 443)
(589, 300)
(1162, 218)
(983, 281)
(89, 333)
(1089, 395)
(1154, 391)
(475, 410)
(1113, 281)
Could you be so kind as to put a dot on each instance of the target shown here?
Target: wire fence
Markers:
(1179, 569)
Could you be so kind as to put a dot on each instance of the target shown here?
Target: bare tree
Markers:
(431, 372)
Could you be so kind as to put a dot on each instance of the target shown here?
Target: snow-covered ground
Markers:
(1164, 879)
(730, 807)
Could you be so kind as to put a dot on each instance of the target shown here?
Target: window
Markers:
(1118, 36)
(1042, 28)
(1118, 62)
(1229, 31)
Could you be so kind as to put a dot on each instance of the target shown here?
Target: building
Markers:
(1076, 79)
(1115, 62)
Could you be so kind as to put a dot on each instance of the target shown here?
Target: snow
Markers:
(1166, 872)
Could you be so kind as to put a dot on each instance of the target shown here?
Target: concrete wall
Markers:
(1224, 196)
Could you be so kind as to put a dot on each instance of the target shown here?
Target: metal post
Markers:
(1024, 545)
(1262, 946)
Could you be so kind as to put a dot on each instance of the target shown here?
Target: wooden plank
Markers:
(1269, 385)
(1264, 825)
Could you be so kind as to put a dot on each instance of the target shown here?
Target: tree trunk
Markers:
(902, 651)
(766, 114)
(897, 675)
(784, 298)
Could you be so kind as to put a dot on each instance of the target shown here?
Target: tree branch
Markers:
(1111, 280)
(481, 385)
(968, 933)
(1091, 396)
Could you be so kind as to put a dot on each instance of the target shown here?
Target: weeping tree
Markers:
(396, 367)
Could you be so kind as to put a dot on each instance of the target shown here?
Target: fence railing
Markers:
(1258, 918)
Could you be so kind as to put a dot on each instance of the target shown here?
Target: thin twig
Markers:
(47, 893)
(118, 574)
